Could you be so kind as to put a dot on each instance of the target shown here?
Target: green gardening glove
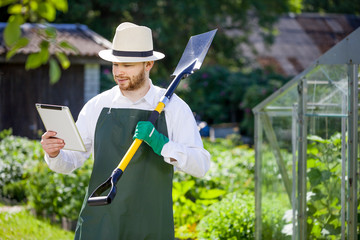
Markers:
(146, 131)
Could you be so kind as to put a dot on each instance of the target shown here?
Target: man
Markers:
(142, 208)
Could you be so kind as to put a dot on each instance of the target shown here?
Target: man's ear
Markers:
(149, 65)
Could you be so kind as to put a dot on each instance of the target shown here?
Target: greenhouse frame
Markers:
(306, 151)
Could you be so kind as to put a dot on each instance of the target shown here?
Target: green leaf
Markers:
(47, 11)
(12, 31)
(321, 211)
(211, 193)
(50, 32)
(313, 150)
(15, 9)
(63, 59)
(317, 139)
(22, 42)
(44, 52)
(206, 202)
(34, 5)
(184, 186)
(68, 46)
(44, 44)
(314, 177)
(61, 5)
(6, 2)
(34, 60)
(325, 175)
(54, 72)
(311, 163)
(318, 195)
(295, 6)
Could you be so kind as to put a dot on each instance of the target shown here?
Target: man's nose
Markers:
(118, 71)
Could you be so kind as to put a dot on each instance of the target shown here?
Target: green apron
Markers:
(142, 208)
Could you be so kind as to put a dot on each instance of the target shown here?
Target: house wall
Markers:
(21, 89)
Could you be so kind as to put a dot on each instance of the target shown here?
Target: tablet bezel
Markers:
(59, 119)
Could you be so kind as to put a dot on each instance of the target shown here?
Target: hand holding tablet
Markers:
(59, 119)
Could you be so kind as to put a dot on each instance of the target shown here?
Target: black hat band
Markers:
(132, 54)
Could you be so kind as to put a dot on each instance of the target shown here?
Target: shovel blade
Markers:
(196, 50)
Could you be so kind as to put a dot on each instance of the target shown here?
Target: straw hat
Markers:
(131, 43)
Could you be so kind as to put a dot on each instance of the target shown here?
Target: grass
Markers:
(22, 225)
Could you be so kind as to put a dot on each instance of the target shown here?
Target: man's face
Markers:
(129, 76)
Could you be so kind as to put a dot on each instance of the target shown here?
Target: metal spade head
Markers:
(196, 50)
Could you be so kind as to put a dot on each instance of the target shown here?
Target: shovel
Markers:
(191, 60)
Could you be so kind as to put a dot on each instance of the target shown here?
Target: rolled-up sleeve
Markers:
(66, 161)
(185, 145)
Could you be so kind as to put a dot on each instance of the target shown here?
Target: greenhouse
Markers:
(306, 148)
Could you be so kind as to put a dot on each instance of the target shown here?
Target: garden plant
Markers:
(228, 187)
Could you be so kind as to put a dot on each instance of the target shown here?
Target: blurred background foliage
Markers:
(223, 92)
(218, 95)
(173, 22)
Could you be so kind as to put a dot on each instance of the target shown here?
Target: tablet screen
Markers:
(59, 119)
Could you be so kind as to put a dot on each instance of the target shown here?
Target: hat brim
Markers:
(108, 56)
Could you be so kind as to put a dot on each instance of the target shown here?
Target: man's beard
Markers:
(135, 82)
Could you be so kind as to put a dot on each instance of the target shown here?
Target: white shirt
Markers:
(185, 144)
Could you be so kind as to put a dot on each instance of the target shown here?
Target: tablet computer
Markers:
(59, 119)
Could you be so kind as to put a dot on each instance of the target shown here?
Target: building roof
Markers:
(84, 39)
(301, 40)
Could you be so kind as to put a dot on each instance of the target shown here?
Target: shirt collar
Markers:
(150, 96)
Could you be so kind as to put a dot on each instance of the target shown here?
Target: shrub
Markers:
(17, 156)
(324, 187)
(25, 176)
(232, 169)
(234, 218)
(231, 218)
(51, 193)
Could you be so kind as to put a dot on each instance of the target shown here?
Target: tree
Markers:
(39, 11)
(335, 6)
(173, 22)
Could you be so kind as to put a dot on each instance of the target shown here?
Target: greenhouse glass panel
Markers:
(306, 150)
(327, 89)
(284, 104)
(276, 174)
(324, 178)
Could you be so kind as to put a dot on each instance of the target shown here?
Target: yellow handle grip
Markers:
(136, 144)
(160, 107)
(129, 154)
